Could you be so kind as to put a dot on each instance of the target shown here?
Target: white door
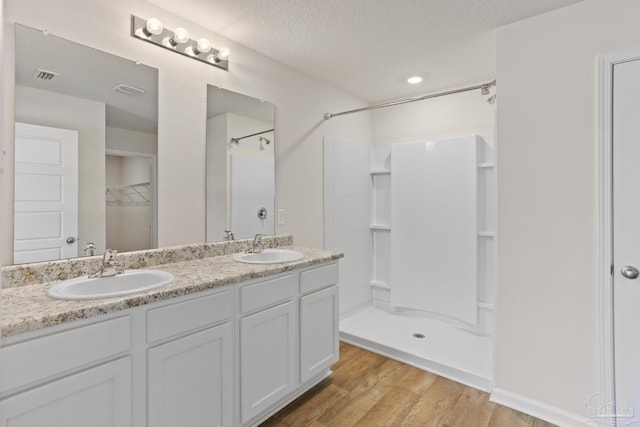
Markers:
(626, 238)
(46, 194)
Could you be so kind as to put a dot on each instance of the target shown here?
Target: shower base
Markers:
(427, 344)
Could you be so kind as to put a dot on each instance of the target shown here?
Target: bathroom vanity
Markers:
(225, 344)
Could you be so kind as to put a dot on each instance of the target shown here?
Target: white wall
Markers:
(346, 227)
(217, 178)
(39, 107)
(300, 104)
(547, 340)
(445, 117)
(131, 140)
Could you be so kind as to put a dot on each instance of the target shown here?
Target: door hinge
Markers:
(611, 271)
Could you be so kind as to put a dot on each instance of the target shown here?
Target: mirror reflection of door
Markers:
(46, 193)
(111, 102)
(129, 200)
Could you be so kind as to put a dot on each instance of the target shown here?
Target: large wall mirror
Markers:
(85, 150)
(240, 165)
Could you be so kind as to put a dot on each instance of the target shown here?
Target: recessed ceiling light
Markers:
(414, 80)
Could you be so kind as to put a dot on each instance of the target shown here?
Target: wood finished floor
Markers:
(369, 390)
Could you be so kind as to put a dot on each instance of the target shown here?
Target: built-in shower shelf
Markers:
(380, 171)
(486, 234)
(380, 227)
(486, 165)
(379, 284)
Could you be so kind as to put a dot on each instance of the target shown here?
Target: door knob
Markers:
(71, 239)
(629, 272)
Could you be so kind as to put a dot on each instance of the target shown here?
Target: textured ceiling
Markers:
(370, 47)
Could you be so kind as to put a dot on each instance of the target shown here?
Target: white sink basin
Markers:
(129, 282)
(269, 256)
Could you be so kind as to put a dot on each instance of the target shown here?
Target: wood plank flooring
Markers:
(369, 390)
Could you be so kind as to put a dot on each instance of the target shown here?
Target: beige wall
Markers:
(300, 104)
(547, 327)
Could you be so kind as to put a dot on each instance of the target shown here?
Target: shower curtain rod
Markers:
(484, 87)
(235, 140)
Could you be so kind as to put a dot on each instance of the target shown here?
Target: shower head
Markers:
(492, 99)
(262, 139)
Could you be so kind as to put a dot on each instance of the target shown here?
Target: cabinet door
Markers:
(268, 358)
(318, 332)
(190, 380)
(97, 397)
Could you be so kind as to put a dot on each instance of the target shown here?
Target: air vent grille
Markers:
(41, 74)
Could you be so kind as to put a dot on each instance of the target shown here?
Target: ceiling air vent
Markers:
(44, 74)
(128, 90)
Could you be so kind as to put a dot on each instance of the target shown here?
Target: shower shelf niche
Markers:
(380, 171)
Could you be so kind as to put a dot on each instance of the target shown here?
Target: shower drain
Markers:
(417, 335)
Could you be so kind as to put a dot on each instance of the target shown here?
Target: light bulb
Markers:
(180, 35)
(223, 53)
(414, 80)
(203, 46)
(154, 26)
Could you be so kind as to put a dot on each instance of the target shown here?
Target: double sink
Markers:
(134, 281)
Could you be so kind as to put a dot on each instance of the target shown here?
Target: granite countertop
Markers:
(28, 308)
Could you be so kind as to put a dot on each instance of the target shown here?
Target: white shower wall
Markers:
(346, 218)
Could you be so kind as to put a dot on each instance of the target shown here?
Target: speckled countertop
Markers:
(27, 307)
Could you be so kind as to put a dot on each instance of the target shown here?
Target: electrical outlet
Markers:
(281, 216)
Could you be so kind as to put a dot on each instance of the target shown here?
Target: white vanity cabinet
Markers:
(319, 317)
(190, 378)
(229, 356)
(288, 330)
(75, 377)
(268, 329)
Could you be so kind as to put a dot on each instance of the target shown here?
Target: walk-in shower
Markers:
(416, 221)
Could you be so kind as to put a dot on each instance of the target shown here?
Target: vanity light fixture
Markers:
(152, 31)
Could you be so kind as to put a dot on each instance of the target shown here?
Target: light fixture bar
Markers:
(179, 41)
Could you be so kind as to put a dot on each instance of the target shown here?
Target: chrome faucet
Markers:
(110, 266)
(257, 246)
(89, 247)
(228, 235)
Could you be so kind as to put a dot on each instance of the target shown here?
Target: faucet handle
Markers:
(110, 257)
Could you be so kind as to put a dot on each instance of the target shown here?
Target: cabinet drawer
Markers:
(34, 360)
(175, 319)
(318, 278)
(268, 292)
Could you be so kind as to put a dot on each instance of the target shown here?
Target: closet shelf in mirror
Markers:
(129, 195)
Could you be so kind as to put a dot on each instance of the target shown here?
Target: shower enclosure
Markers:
(422, 250)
